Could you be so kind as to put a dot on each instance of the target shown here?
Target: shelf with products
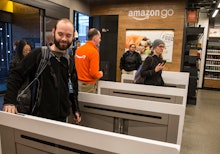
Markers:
(194, 33)
(191, 59)
(212, 64)
(216, 69)
(211, 78)
(211, 59)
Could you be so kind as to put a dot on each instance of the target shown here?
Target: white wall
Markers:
(204, 22)
(76, 5)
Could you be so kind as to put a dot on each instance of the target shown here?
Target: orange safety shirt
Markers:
(87, 63)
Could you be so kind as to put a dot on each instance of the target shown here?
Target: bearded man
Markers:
(53, 97)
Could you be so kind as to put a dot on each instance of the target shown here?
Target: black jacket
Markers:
(130, 61)
(54, 94)
(148, 71)
(14, 62)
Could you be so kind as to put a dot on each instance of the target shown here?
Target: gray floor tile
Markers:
(201, 133)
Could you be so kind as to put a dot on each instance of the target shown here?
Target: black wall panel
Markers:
(108, 26)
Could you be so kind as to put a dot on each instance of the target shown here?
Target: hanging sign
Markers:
(192, 16)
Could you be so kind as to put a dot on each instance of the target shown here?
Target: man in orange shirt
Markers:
(87, 62)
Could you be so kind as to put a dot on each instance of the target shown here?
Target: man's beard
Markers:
(61, 47)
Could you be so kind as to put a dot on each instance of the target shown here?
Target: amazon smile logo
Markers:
(80, 57)
(146, 14)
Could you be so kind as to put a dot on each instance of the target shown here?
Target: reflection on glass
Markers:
(5, 53)
(50, 23)
(81, 22)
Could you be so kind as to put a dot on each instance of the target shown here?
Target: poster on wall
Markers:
(143, 39)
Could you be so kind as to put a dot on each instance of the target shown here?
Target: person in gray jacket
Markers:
(154, 64)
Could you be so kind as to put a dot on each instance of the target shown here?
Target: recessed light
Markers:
(215, 13)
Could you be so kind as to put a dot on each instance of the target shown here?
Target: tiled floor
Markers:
(201, 133)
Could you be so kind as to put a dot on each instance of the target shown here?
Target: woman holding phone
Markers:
(154, 64)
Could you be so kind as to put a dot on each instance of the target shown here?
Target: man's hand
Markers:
(10, 108)
(77, 118)
(101, 73)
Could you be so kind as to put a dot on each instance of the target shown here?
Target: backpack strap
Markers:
(45, 51)
(43, 63)
(45, 60)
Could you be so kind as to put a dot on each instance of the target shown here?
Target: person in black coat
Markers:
(53, 99)
(130, 60)
(23, 48)
(154, 64)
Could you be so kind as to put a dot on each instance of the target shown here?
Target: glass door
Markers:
(81, 22)
(5, 53)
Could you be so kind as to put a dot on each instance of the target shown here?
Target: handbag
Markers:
(24, 99)
(138, 79)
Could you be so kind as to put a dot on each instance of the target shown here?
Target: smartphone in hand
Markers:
(164, 62)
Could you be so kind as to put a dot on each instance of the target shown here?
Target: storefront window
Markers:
(5, 53)
(50, 23)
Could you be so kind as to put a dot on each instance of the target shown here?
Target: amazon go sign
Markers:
(146, 14)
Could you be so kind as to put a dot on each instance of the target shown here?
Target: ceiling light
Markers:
(215, 13)
(218, 5)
